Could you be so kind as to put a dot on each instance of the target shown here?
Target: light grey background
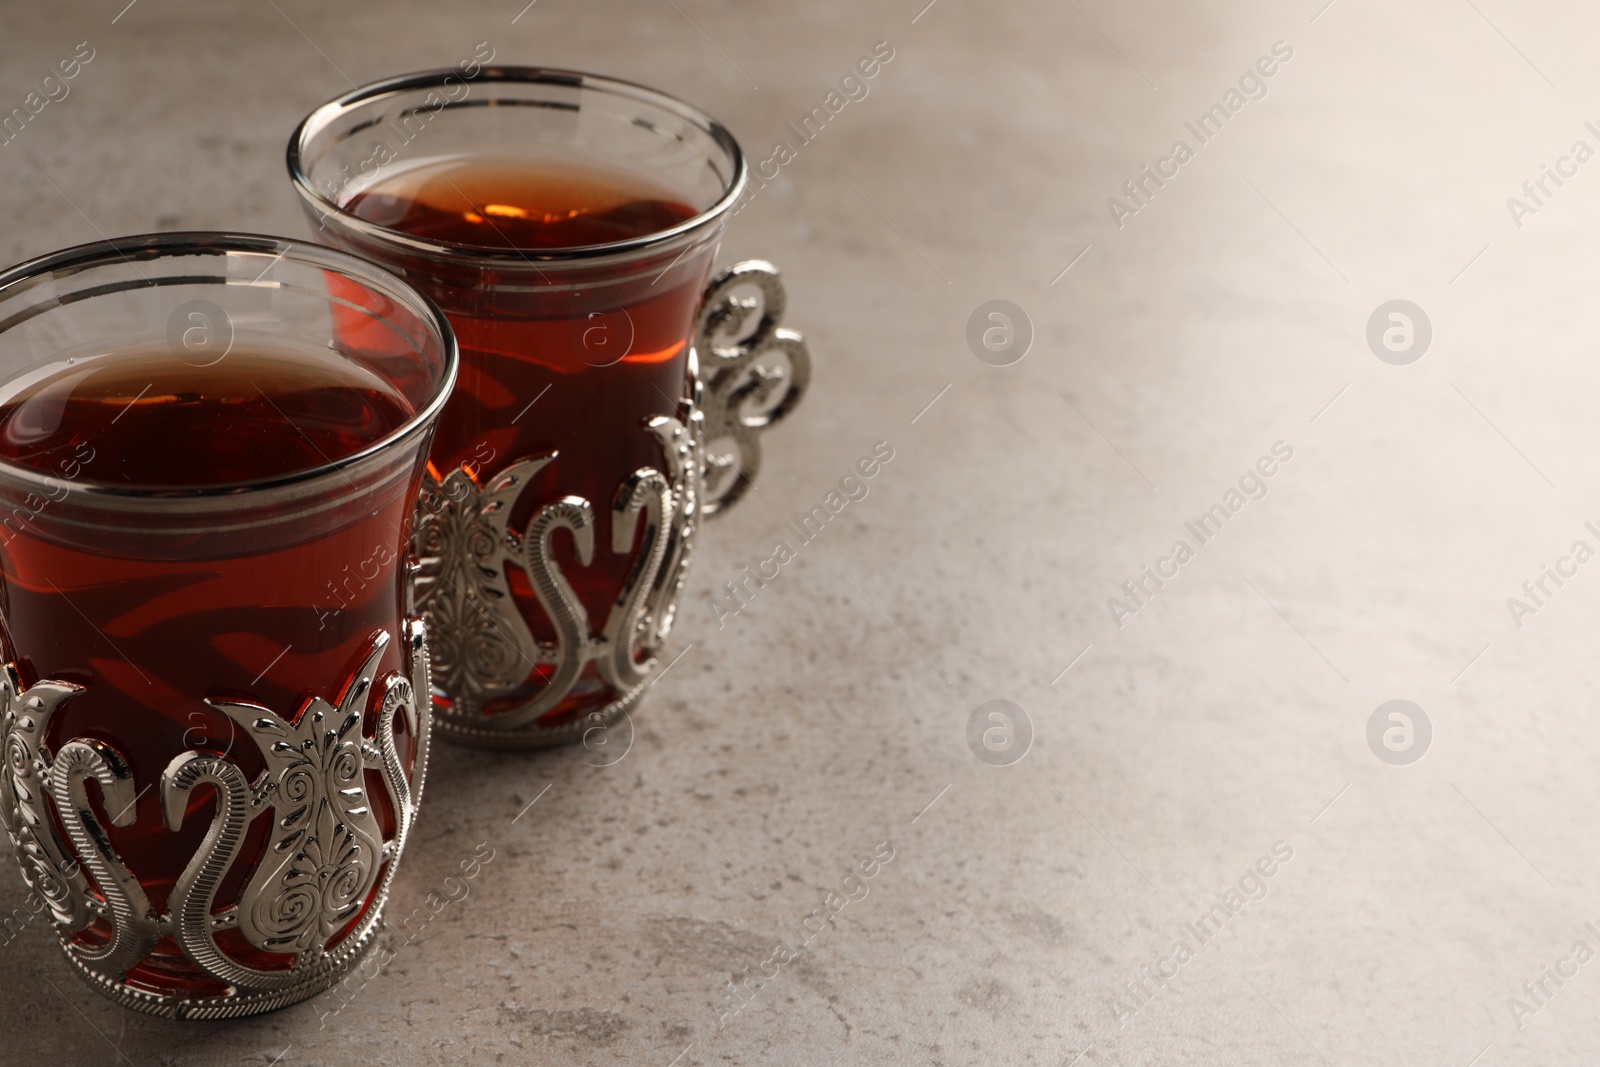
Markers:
(831, 714)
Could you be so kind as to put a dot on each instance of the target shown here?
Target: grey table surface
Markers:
(1176, 340)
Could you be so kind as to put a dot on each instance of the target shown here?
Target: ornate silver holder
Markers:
(746, 373)
(326, 861)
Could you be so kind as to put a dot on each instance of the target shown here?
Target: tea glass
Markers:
(214, 706)
(608, 397)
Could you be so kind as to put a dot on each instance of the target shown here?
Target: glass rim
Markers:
(321, 116)
(147, 247)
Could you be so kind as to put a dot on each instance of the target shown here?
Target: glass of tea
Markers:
(567, 224)
(214, 684)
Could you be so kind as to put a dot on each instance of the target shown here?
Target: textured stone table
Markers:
(1204, 732)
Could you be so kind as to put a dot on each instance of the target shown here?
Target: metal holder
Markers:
(326, 857)
(482, 645)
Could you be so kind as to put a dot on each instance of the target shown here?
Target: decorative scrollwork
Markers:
(326, 856)
(134, 927)
(485, 649)
(47, 866)
(737, 338)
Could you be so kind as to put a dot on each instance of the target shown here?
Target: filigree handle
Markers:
(747, 360)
